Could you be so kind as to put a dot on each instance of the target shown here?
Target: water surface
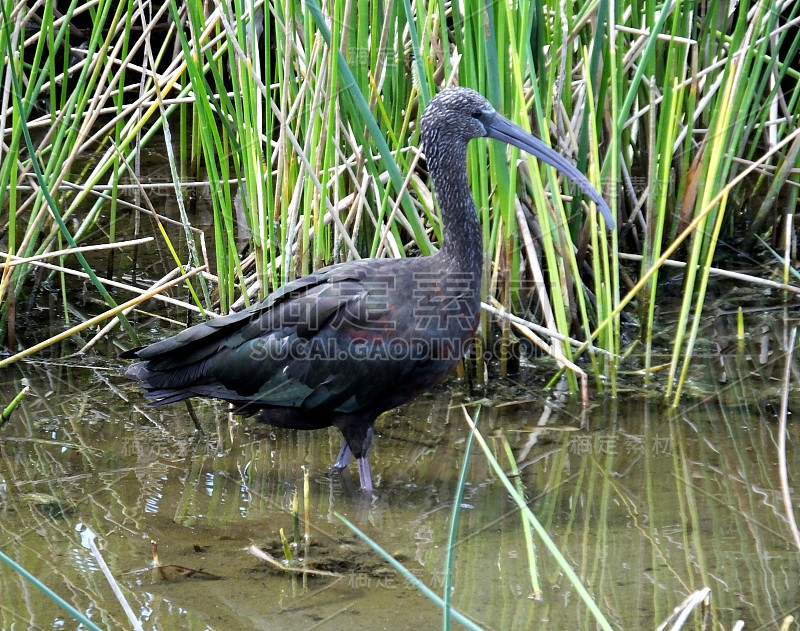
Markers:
(648, 503)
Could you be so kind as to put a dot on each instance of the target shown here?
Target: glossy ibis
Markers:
(348, 342)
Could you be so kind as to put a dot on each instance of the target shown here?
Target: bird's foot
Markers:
(364, 473)
(343, 459)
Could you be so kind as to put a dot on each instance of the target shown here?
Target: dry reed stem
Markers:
(786, 492)
(701, 597)
(17, 260)
(498, 310)
(89, 536)
(265, 556)
(95, 320)
(747, 278)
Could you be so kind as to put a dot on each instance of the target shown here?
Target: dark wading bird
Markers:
(348, 342)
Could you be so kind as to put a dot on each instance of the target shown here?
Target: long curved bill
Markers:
(500, 128)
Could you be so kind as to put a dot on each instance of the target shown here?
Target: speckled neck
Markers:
(462, 247)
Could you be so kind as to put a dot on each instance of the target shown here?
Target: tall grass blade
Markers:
(543, 535)
(409, 576)
(77, 615)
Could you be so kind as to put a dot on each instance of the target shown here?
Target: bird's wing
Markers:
(315, 343)
(184, 347)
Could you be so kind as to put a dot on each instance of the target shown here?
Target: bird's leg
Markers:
(343, 459)
(364, 474)
(361, 444)
(193, 416)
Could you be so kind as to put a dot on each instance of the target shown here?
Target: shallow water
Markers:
(647, 503)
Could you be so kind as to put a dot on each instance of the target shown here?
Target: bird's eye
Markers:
(477, 114)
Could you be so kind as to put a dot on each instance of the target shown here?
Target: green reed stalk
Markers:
(293, 124)
(409, 576)
(45, 194)
(72, 611)
(726, 134)
(356, 104)
(530, 547)
(528, 515)
(452, 535)
(216, 140)
(118, 128)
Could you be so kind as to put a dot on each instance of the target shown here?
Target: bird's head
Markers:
(457, 115)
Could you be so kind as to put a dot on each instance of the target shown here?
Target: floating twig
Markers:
(265, 556)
